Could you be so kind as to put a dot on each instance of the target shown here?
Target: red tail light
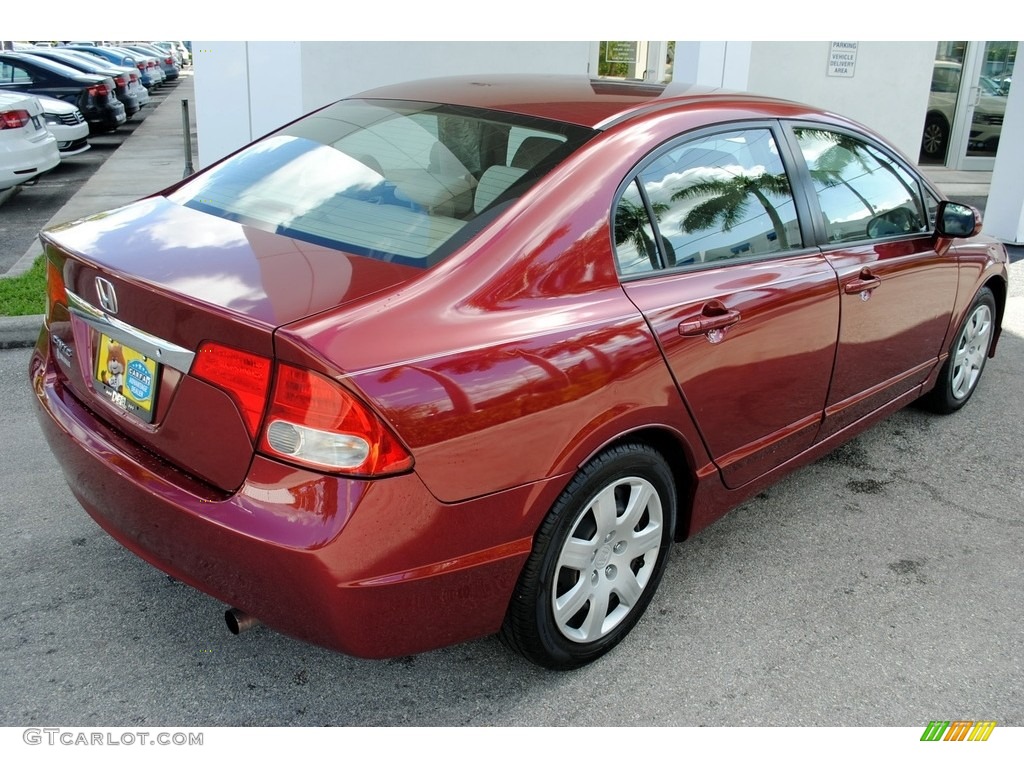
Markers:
(141, 65)
(16, 118)
(243, 375)
(56, 293)
(168, 60)
(315, 422)
(119, 81)
(134, 77)
(98, 90)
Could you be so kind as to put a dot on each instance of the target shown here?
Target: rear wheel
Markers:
(596, 561)
(962, 370)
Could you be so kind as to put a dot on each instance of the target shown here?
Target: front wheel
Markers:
(596, 560)
(962, 370)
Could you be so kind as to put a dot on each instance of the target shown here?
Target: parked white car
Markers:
(27, 148)
(67, 124)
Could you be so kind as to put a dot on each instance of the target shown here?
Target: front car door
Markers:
(711, 250)
(896, 291)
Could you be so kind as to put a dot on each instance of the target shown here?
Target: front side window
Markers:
(405, 182)
(863, 192)
(720, 197)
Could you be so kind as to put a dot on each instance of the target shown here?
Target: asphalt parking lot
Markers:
(880, 586)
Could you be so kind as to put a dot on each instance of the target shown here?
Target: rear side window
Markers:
(12, 75)
(405, 182)
(719, 197)
(863, 192)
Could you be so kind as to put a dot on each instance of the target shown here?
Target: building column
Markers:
(243, 90)
(1004, 212)
(718, 64)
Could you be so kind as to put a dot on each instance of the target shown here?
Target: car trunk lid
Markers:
(140, 294)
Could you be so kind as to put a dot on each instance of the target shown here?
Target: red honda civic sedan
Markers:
(465, 356)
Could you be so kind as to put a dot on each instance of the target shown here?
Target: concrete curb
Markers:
(20, 332)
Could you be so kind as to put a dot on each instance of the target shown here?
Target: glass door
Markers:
(943, 102)
(970, 85)
(992, 74)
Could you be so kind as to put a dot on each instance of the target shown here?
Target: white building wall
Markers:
(717, 64)
(245, 89)
(888, 91)
(277, 67)
(222, 85)
(336, 70)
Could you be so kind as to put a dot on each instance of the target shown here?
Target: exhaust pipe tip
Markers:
(239, 621)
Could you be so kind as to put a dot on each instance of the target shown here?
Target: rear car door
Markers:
(711, 250)
(896, 291)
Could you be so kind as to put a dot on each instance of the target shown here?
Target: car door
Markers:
(896, 291)
(710, 249)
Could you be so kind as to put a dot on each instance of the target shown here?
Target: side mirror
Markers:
(957, 220)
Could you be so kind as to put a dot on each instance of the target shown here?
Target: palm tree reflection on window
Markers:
(728, 201)
(631, 225)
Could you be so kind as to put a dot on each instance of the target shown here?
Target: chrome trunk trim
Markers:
(164, 352)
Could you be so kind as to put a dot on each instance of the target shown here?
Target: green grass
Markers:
(24, 294)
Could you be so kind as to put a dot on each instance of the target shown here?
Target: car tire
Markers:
(934, 138)
(596, 561)
(962, 370)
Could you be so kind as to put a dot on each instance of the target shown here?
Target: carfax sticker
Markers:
(127, 377)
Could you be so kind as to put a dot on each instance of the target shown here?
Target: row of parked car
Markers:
(53, 97)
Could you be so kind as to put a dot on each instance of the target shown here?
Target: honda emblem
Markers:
(107, 296)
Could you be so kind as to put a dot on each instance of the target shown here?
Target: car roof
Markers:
(50, 65)
(576, 99)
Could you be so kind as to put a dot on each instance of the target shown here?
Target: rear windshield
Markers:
(399, 181)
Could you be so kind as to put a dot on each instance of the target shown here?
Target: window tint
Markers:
(724, 196)
(863, 193)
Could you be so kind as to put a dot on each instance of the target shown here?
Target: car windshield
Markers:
(399, 181)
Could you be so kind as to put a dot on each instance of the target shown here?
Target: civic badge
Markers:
(106, 294)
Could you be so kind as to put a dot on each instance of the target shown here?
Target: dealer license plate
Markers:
(126, 377)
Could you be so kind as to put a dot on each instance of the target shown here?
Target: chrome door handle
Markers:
(865, 282)
(702, 323)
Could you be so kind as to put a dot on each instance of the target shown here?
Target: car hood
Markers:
(265, 278)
